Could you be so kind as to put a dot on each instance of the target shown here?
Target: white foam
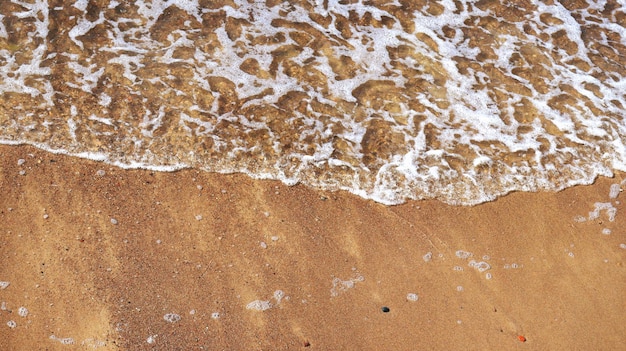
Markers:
(340, 286)
(22, 311)
(171, 317)
(4, 285)
(463, 254)
(603, 206)
(3, 29)
(64, 341)
(481, 266)
(614, 191)
(259, 305)
(262, 305)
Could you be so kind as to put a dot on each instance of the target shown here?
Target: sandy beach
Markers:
(96, 257)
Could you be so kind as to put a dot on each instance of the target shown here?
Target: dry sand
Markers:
(325, 262)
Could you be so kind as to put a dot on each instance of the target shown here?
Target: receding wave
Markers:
(461, 101)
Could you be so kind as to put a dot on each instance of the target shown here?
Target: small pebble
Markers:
(21, 161)
(45, 216)
(101, 173)
(412, 297)
(113, 221)
(12, 324)
(385, 309)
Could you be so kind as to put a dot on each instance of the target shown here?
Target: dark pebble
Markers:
(385, 309)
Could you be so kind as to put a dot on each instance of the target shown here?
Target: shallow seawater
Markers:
(461, 101)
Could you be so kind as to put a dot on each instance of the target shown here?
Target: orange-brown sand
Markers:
(202, 247)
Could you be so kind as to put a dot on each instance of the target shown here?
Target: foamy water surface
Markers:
(461, 101)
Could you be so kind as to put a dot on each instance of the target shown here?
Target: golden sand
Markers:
(100, 261)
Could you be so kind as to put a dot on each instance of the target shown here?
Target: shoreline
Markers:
(109, 260)
(102, 158)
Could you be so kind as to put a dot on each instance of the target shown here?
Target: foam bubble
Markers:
(64, 341)
(11, 324)
(463, 254)
(481, 266)
(171, 317)
(259, 305)
(412, 297)
(427, 257)
(603, 206)
(4, 285)
(614, 191)
(22, 312)
(278, 295)
(340, 286)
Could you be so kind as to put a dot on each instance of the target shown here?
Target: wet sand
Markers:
(98, 260)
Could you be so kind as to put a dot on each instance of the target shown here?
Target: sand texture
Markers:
(141, 260)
